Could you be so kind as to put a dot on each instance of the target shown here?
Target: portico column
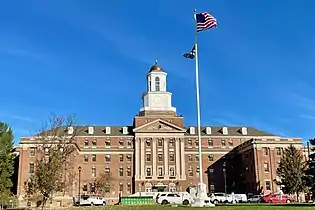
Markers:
(142, 165)
(178, 166)
(154, 158)
(166, 154)
(137, 153)
(183, 159)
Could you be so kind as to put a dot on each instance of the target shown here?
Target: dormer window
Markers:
(90, 130)
(125, 130)
(192, 130)
(244, 130)
(157, 83)
(70, 130)
(225, 131)
(107, 130)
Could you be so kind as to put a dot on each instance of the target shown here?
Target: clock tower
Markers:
(157, 99)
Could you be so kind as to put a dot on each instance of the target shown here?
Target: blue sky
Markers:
(90, 57)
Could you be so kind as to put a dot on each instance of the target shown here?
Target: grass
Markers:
(236, 207)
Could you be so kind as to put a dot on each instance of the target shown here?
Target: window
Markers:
(128, 171)
(129, 188)
(278, 151)
(107, 143)
(129, 158)
(190, 171)
(266, 167)
(160, 171)
(129, 143)
(148, 171)
(171, 143)
(121, 158)
(157, 83)
(32, 151)
(86, 158)
(107, 188)
(268, 185)
(197, 143)
(211, 170)
(197, 171)
(93, 172)
(212, 187)
(189, 143)
(148, 157)
(121, 143)
(107, 171)
(94, 142)
(172, 157)
(92, 187)
(197, 157)
(223, 142)
(107, 158)
(265, 150)
(160, 143)
(86, 142)
(148, 143)
(94, 157)
(150, 84)
(160, 157)
(121, 171)
(172, 171)
(210, 142)
(31, 168)
(85, 188)
(210, 157)
(190, 158)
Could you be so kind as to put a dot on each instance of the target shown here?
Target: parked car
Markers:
(173, 198)
(254, 199)
(276, 198)
(91, 200)
(221, 198)
(240, 198)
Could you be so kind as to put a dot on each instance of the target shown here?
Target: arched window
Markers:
(150, 88)
(157, 83)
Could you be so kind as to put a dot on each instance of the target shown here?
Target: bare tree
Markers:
(55, 148)
(103, 182)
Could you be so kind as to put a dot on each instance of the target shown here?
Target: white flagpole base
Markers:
(202, 199)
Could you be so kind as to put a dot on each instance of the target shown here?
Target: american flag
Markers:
(191, 54)
(205, 21)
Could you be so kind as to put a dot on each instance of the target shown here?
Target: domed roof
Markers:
(156, 68)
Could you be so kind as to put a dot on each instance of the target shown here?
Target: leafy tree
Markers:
(6, 160)
(54, 157)
(291, 171)
(311, 168)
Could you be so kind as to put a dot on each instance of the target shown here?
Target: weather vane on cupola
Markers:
(156, 62)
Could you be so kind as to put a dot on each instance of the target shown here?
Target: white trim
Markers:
(106, 152)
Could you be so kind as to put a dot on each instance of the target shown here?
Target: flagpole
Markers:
(198, 102)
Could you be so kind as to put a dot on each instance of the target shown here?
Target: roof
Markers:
(118, 131)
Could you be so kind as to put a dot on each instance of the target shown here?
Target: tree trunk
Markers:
(297, 196)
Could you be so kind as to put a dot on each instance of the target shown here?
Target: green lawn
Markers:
(237, 207)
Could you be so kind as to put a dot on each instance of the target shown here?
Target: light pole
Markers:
(224, 174)
(79, 168)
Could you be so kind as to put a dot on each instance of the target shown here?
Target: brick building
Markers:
(159, 153)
